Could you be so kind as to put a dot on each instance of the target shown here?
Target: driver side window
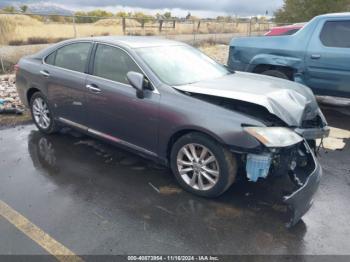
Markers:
(113, 64)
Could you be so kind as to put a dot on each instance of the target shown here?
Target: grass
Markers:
(22, 29)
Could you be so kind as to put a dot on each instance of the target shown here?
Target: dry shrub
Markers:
(150, 33)
(108, 22)
(6, 66)
(17, 42)
(116, 22)
(7, 26)
(36, 41)
(22, 20)
(43, 40)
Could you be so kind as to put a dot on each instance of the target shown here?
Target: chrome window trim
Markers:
(65, 69)
(102, 43)
(108, 137)
(133, 59)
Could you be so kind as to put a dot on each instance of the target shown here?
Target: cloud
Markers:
(247, 7)
(228, 6)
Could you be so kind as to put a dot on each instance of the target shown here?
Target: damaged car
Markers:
(169, 102)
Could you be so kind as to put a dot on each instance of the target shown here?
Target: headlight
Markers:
(274, 136)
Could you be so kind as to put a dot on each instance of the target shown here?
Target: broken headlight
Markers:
(274, 136)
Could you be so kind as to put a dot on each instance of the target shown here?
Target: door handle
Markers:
(45, 73)
(93, 88)
(315, 56)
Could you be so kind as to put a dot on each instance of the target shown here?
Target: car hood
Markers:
(290, 101)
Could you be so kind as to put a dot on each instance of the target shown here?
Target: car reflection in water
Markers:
(114, 180)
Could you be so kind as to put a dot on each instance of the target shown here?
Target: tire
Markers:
(276, 73)
(39, 107)
(222, 170)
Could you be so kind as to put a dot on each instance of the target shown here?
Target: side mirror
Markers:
(136, 80)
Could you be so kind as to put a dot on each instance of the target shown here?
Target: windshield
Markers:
(180, 65)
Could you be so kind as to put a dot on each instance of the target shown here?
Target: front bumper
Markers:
(300, 201)
(295, 174)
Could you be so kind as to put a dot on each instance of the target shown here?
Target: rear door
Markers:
(64, 73)
(115, 112)
(328, 59)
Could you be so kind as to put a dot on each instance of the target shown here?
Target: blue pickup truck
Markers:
(317, 56)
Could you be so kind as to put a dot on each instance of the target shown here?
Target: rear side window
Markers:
(113, 63)
(50, 59)
(336, 34)
(73, 57)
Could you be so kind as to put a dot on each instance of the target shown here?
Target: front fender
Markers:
(275, 60)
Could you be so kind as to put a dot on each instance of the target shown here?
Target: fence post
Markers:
(250, 27)
(74, 27)
(124, 25)
(160, 25)
(194, 32)
(216, 28)
(174, 22)
(2, 65)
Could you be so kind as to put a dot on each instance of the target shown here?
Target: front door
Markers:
(115, 112)
(328, 59)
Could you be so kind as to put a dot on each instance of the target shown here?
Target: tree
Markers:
(9, 9)
(167, 15)
(122, 14)
(142, 18)
(92, 16)
(294, 11)
(23, 8)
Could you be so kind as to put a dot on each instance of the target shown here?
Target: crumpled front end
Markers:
(299, 164)
(314, 125)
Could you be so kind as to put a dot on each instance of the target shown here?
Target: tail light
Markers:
(16, 68)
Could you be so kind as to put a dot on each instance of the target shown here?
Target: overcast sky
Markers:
(178, 7)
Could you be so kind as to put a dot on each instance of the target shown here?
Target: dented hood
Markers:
(290, 101)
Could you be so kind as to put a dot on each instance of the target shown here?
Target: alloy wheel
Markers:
(41, 113)
(198, 166)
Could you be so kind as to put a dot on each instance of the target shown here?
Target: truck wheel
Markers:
(276, 73)
(42, 115)
(202, 166)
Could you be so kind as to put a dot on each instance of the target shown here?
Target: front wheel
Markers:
(276, 73)
(42, 115)
(202, 166)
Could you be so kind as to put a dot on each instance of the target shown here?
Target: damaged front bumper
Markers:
(300, 201)
(296, 165)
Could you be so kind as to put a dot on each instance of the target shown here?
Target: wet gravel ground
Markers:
(97, 199)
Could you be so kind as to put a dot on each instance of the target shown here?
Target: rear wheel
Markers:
(41, 114)
(202, 166)
(276, 73)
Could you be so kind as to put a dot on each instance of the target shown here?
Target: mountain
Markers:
(45, 8)
(48, 9)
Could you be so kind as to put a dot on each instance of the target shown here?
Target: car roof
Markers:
(335, 15)
(133, 41)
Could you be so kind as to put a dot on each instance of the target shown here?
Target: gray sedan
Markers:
(169, 102)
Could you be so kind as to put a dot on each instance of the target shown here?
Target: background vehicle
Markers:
(167, 101)
(317, 56)
(285, 30)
